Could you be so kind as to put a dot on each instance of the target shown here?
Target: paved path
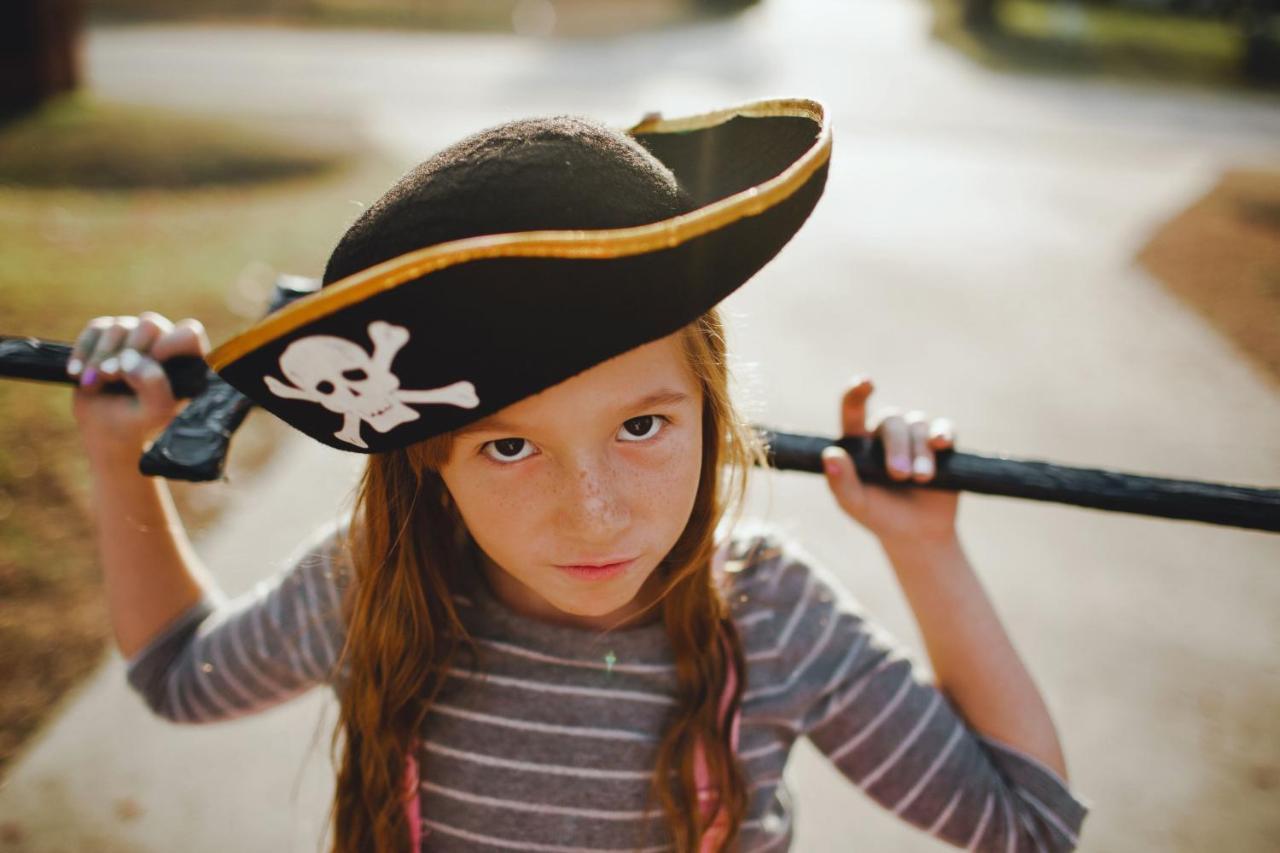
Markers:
(973, 254)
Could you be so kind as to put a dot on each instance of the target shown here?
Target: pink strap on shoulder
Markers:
(708, 794)
(412, 809)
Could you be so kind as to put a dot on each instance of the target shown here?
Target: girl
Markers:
(545, 625)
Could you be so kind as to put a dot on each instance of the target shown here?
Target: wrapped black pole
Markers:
(1215, 503)
(194, 448)
(46, 361)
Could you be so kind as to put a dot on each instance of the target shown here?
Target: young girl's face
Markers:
(601, 467)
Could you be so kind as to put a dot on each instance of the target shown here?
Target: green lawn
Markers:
(1116, 43)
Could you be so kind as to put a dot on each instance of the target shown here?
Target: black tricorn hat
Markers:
(463, 316)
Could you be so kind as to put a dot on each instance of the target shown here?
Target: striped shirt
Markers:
(549, 743)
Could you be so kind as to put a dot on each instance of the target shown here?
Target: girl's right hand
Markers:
(128, 349)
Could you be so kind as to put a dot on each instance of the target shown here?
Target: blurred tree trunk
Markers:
(39, 52)
(979, 15)
(1260, 22)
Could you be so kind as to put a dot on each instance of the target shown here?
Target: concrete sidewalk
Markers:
(107, 775)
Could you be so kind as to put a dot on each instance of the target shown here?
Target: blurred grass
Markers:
(68, 254)
(1112, 27)
(77, 141)
(1070, 38)
(563, 17)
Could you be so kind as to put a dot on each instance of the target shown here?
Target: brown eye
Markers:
(505, 446)
(642, 428)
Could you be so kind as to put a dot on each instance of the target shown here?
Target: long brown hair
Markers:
(405, 543)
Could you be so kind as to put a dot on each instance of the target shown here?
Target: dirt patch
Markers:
(1222, 257)
(67, 255)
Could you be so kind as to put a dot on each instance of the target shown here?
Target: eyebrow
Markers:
(662, 397)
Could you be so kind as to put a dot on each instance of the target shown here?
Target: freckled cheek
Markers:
(655, 481)
(499, 514)
(668, 477)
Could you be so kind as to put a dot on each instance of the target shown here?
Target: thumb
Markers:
(842, 479)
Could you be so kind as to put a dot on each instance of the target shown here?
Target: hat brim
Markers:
(474, 325)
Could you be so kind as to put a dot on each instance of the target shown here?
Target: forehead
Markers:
(654, 374)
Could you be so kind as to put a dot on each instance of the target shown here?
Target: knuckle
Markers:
(123, 325)
(894, 412)
(194, 334)
(149, 324)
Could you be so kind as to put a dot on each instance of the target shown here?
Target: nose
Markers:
(595, 506)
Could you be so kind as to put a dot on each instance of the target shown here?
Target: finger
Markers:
(102, 363)
(842, 479)
(922, 463)
(896, 439)
(942, 434)
(151, 386)
(141, 338)
(85, 343)
(853, 406)
(187, 337)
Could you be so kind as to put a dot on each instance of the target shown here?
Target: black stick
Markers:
(194, 445)
(194, 448)
(1215, 503)
(46, 361)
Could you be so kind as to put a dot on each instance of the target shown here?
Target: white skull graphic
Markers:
(343, 378)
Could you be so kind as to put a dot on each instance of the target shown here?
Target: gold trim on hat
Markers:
(593, 244)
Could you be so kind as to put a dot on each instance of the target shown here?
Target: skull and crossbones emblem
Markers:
(344, 378)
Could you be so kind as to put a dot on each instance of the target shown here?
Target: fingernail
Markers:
(129, 359)
(901, 463)
(110, 365)
(87, 379)
(923, 466)
(74, 366)
(830, 462)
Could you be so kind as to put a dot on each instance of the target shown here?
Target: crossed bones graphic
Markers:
(344, 378)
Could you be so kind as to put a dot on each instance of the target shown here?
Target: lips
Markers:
(595, 564)
(599, 572)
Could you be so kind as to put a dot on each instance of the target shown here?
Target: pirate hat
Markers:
(519, 258)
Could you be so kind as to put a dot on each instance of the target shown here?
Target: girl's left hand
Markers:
(894, 515)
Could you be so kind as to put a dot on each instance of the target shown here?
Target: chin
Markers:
(594, 607)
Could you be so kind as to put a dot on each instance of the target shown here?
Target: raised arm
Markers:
(192, 655)
(973, 660)
(973, 759)
(150, 571)
(862, 700)
(220, 660)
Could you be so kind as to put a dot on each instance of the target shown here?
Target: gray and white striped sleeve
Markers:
(223, 659)
(862, 701)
